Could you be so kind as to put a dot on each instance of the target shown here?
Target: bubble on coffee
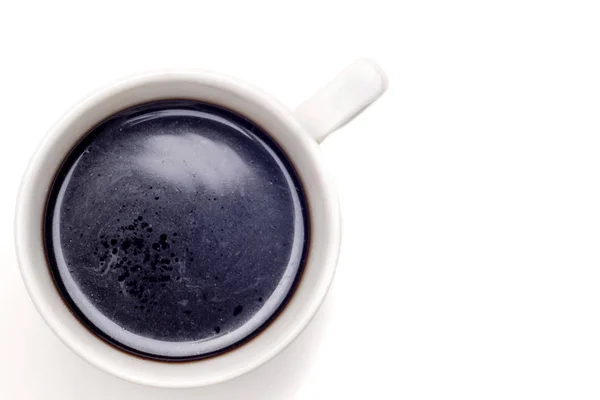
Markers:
(176, 230)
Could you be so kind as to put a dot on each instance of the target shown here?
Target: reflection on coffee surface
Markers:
(176, 230)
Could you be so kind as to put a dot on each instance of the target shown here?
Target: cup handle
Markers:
(342, 99)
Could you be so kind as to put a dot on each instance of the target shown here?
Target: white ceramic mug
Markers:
(298, 134)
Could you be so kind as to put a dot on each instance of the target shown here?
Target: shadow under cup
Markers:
(176, 230)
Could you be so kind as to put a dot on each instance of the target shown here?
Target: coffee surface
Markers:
(176, 230)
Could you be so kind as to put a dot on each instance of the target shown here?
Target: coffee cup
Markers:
(295, 133)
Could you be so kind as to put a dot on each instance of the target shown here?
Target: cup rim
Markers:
(252, 103)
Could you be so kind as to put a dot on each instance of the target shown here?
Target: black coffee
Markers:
(176, 230)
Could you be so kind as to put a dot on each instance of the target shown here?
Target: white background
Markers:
(470, 266)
